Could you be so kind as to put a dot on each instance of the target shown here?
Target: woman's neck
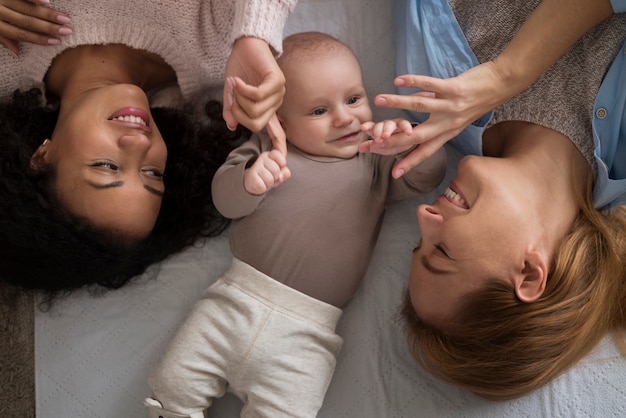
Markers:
(554, 167)
(91, 66)
(548, 152)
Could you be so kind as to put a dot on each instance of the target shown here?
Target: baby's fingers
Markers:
(281, 172)
(258, 182)
(381, 130)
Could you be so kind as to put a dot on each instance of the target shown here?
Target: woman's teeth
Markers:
(452, 195)
(132, 119)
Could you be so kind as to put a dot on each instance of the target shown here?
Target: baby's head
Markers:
(325, 100)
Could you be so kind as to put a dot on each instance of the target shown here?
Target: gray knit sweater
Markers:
(489, 29)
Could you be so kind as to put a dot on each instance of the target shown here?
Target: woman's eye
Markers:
(352, 100)
(106, 165)
(319, 112)
(441, 250)
(153, 173)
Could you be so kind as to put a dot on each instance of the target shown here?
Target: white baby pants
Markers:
(272, 346)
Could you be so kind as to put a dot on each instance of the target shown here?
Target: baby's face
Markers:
(325, 104)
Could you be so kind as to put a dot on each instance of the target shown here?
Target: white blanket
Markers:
(93, 354)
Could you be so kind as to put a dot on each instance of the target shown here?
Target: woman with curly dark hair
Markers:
(43, 246)
(95, 182)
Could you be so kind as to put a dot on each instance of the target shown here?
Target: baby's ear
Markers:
(38, 159)
(531, 281)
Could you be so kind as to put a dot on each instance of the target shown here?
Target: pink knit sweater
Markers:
(193, 36)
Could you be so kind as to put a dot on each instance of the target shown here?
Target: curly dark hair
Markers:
(44, 248)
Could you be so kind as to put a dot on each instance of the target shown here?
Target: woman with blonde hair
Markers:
(521, 267)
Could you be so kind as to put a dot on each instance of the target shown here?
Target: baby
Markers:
(266, 329)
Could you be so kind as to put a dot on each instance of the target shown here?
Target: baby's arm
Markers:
(231, 196)
(268, 171)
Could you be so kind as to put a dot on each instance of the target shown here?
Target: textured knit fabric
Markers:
(582, 96)
(315, 232)
(194, 37)
(272, 346)
(544, 102)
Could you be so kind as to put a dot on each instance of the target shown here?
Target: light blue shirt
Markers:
(430, 42)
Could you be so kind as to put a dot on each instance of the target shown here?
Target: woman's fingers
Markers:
(277, 135)
(419, 102)
(415, 157)
(23, 21)
(254, 105)
(10, 44)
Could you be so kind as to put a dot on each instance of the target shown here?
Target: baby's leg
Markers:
(291, 360)
(195, 366)
(294, 364)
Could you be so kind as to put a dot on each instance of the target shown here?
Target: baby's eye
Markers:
(319, 112)
(106, 165)
(352, 100)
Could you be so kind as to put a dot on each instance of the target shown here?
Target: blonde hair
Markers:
(504, 348)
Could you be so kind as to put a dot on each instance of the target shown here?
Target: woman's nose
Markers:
(134, 141)
(428, 215)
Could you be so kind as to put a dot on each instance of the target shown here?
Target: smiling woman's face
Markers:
(108, 157)
(479, 229)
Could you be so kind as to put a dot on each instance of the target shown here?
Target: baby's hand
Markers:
(381, 132)
(268, 171)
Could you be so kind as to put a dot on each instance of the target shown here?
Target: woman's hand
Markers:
(452, 105)
(31, 21)
(254, 85)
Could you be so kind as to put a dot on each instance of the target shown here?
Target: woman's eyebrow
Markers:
(120, 184)
(153, 190)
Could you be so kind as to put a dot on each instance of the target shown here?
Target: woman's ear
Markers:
(37, 160)
(531, 282)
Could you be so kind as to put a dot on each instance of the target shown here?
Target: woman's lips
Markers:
(132, 116)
